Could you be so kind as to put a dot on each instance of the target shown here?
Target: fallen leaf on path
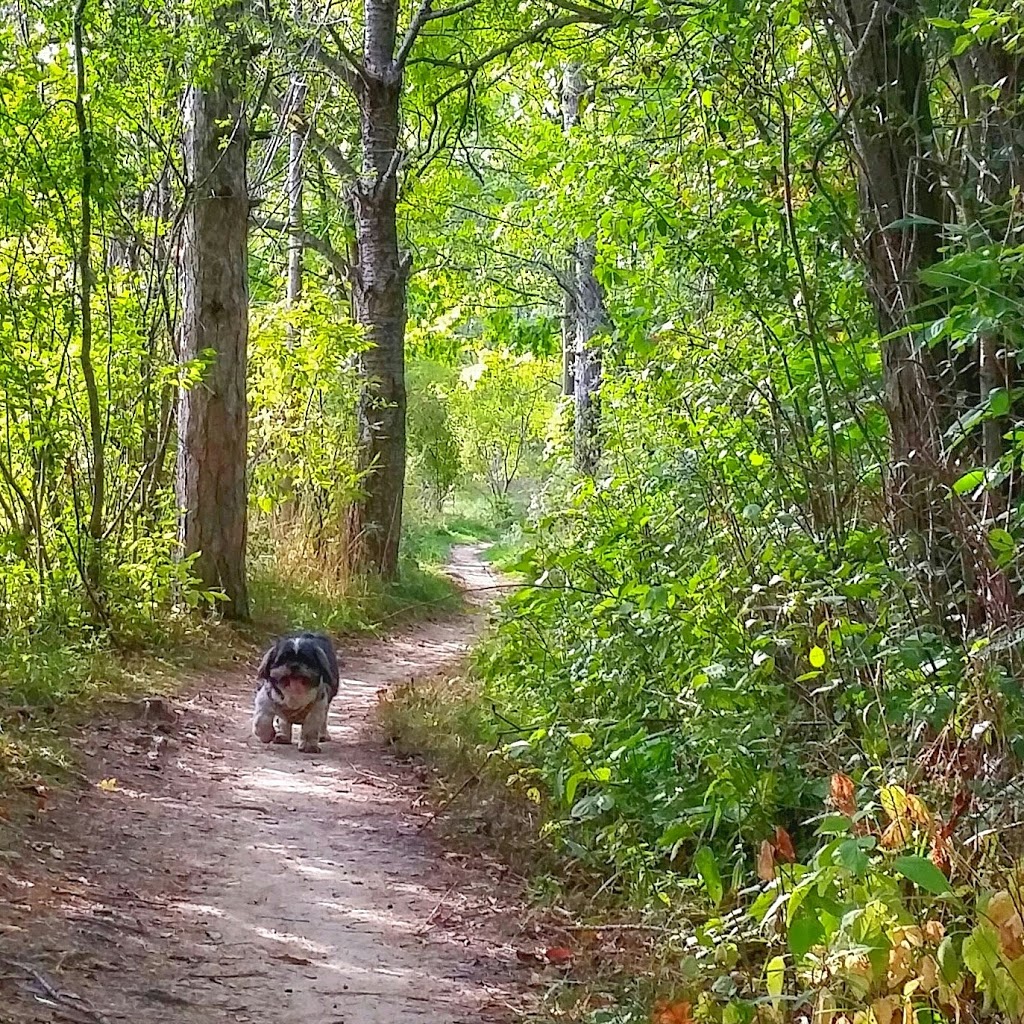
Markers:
(107, 785)
(291, 958)
(558, 955)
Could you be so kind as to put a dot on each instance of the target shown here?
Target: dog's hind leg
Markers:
(313, 728)
(282, 731)
(325, 736)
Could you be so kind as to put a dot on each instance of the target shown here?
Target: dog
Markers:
(298, 679)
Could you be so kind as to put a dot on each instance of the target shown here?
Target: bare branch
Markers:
(423, 15)
(531, 35)
(340, 164)
(339, 264)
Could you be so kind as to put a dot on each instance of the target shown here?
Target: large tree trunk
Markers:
(213, 415)
(893, 143)
(585, 317)
(902, 208)
(379, 281)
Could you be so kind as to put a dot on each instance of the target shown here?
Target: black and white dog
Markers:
(298, 680)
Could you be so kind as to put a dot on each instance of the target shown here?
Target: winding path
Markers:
(213, 879)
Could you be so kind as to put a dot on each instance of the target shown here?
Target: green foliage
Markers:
(436, 462)
(503, 404)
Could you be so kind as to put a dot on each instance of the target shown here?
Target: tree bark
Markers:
(379, 280)
(93, 558)
(213, 415)
(294, 184)
(893, 142)
(585, 316)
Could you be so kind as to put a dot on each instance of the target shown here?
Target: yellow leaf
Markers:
(928, 971)
(816, 657)
(107, 785)
(919, 813)
(895, 802)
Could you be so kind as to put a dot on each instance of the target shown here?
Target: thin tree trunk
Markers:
(295, 183)
(569, 333)
(93, 560)
(213, 415)
(585, 315)
(379, 280)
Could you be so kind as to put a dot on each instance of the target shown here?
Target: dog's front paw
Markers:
(283, 738)
(325, 737)
(263, 730)
(307, 747)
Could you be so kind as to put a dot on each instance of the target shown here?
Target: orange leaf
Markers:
(843, 795)
(784, 846)
(896, 836)
(766, 862)
(558, 955)
(940, 852)
(672, 1013)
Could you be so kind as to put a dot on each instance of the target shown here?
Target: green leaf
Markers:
(949, 963)
(776, 977)
(923, 873)
(581, 740)
(834, 825)
(816, 657)
(969, 481)
(706, 866)
(998, 402)
(805, 932)
(851, 855)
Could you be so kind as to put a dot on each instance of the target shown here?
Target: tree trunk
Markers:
(893, 139)
(294, 184)
(93, 558)
(213, 415)
(379, 280)
(585, 316)
(591, 320)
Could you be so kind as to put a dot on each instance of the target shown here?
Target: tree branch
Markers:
(334, 156)
(423, 15)
(339, 264)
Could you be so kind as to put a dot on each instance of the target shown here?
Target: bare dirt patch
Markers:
(198, 876)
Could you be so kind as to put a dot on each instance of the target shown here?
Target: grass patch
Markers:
(365, 607)
(443, 722)
(431, 544)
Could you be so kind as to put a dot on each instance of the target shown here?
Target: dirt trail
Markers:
(221, 880)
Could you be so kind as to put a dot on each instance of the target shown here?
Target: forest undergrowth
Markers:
(747, 771)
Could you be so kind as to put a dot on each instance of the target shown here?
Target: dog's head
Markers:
(300, 662)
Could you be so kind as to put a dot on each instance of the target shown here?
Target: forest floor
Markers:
(199, 876)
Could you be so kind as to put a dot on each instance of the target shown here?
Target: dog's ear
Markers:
(263, 670)
(325, 663)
